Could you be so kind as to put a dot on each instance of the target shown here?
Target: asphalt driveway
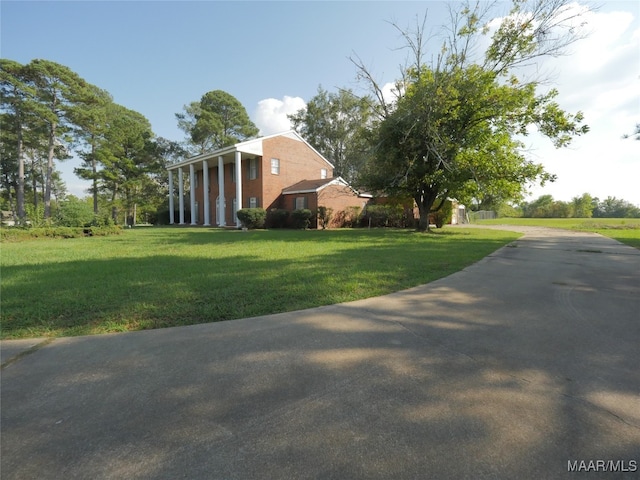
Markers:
(522, 365)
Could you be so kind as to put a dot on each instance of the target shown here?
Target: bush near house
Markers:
(324, 216)
(385, 216)
(348, 218)
(277, 218)
(252, 218)
(301, 218)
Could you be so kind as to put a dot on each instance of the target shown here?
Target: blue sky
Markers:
(154, 57)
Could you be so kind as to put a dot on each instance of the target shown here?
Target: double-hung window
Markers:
(253, 168)
(301, 202)
(275, 166)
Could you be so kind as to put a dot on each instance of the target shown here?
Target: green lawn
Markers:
(160, 277)
(625, 230)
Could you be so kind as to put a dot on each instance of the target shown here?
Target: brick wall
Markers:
(297, 162)
(339, 198)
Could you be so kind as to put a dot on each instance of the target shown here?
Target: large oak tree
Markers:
(453, 130)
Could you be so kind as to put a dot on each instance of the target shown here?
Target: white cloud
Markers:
(270, 115)
(600, 77)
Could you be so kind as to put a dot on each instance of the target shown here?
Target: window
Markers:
(232, 168)
(275, 166)
(196, 179)
(253, 169)
(253, 202)
(323, 173)
(301, 202)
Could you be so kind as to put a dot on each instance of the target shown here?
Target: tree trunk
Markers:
(94, 172)
(94, 168)
(425, 200)
(114, 208)
(49, 175)
(34, 182)
(423, 223)
(20, 189)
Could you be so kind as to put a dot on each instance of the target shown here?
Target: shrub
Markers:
(385, 216)
(17, 234)
(324, 216)
(73, 212)
(443, 215)
(277, 218)
(252, 217)
(301, 218)
(349, 217)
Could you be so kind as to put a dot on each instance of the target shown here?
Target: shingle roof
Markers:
(308, 186)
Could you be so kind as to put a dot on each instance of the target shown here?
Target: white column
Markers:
(171, 219)
(181, 194)
(238, 184)
(205, 189)
(221, 212)
(192, 192)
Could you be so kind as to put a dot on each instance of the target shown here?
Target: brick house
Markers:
(334, 193)
(276, 171)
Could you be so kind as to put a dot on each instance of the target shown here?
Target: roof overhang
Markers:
(333, 181)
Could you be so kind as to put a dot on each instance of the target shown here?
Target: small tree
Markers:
(73, 212)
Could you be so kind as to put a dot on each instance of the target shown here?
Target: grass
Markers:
(161, 277)
(624, 230)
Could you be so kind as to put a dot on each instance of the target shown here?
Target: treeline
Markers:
(584, 206)
(48, 113)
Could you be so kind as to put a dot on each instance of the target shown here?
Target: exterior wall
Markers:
(297, 162)
(336, 197)
(339, 198)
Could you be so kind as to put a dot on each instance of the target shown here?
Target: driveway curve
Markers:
(523, 365)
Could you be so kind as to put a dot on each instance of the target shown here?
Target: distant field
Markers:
(161, 277)
(625, 230)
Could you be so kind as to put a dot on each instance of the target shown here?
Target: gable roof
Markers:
(314, 186)
(251, 147)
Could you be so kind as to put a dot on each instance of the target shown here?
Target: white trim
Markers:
(221, 194)
(192, 193)
(171, 212)
(205, 189)
(238, 171)
(181, 194)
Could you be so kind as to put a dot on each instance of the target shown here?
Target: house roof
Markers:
(314, 186)
(248, 147)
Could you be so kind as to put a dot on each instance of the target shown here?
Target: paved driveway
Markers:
(520, 366)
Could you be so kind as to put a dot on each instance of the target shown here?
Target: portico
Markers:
(222, 198)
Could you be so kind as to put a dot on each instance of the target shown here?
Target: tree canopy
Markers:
(47, 113)
(217, 120)
(336, 124)
(453, 129)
